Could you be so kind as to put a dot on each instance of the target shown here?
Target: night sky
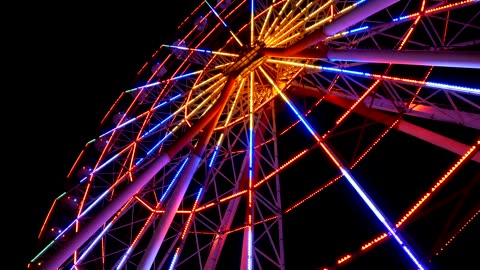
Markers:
(73, 63)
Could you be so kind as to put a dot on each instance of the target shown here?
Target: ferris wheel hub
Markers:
(249, 60)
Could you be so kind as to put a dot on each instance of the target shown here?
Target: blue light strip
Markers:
(355, 30)
(175, 256)
(355, 185)
(135, 118)
(456, 88)
(380, 216)
(250, 247)
(144, 86)
(90, 247)
(198, 194)
(188, 49)
(174, 260)
(153, 148)
(124, 258)
(156, 126)
(129, 250)
(159, 143)
(80, 216)
(224, 24)
(401, 18)
(250, 148)
(174, 179)
(213, 156)
(216, 14)
(185, 75)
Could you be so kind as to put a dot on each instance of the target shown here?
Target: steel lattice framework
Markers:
(269, 126)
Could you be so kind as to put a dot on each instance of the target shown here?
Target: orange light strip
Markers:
(357, 102)
(329, 183)
(448, 6)
(187, 224)
(236, 230)
(276, 21)
(383, 236)
(419, 88)
(241, 118)
(194, 86)
(410, 30)
(256, 185)
(343, 259)
(287, 28)
(156, 210)
(299, 155)
(435, 10)
(375, 142)
(237, 194)
(267, 19)
(49, 214)
(459, 231)
(374, 241)
(467, 155)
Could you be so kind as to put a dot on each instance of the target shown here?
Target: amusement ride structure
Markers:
(288, 134)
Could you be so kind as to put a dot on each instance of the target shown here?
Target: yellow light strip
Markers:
(273, 26)
(287, 30)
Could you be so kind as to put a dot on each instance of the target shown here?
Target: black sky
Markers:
(72, 61)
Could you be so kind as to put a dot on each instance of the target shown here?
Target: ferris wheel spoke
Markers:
(299, 22)
(224, 24)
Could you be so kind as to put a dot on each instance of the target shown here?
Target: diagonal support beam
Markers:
(458, 59)
(452, 59)
(404, 126)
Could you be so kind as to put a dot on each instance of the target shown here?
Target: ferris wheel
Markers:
(284, 134)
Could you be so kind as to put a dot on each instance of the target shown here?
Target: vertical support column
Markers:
(247, 251)
(170, 211)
